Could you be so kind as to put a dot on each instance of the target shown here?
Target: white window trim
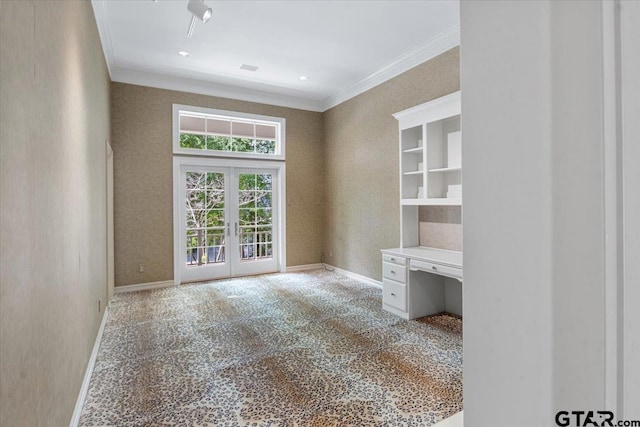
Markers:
(179, 161)
(278, 121)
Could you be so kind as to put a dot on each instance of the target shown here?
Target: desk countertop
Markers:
(423, 253)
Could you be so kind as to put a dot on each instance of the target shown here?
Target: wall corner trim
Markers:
(144, 286)
(82, 395)
(354, 276)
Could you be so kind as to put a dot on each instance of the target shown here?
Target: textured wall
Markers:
(54, 120)
(142, 138)
(361, 164)
(441, 227)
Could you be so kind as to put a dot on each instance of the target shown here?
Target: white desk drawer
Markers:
(394, 294)
(442, 270)
(394, 259)
(394, 272)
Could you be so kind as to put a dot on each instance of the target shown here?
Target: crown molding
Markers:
(439, 44)
(433, 47)
(161, 81)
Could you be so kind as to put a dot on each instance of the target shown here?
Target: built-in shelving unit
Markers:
(430, 160)
(418, 280)
(430, 140)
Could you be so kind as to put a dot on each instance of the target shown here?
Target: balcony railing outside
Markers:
(253, 245)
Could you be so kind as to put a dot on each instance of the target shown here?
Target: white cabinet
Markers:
(430, 153)
(418, 281)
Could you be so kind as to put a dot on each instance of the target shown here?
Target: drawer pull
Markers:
(393, 272)
(433, 267)
(392, 259)
(392, 294)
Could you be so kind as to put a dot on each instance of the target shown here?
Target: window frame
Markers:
(279, 122)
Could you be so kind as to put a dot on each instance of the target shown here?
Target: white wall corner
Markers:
(354, 276)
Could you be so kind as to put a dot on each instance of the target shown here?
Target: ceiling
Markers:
(343, 47)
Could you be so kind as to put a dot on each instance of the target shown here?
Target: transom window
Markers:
(207, 132)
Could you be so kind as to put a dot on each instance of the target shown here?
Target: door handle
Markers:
(236, 224)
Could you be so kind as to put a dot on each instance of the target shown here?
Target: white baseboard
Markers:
(305, 267)
(143, 286)
(355, 276)
(75, 419)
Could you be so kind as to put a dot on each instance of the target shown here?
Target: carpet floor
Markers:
(303, 349)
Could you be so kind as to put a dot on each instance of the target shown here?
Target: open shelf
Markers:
(459, 168)
(431, 152)
(440, 201)
(417, 150)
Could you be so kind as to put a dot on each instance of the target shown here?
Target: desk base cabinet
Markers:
(418, 287)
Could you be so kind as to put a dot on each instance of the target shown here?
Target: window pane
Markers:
(263, 216)
(247, 181)
(265, 146)
(243, 130)
(247, 216)
(189, 140)
(218, 127)
(242, 145)
(263, 200)
(218, 142)
(190, 124)
(215, 218)
(215, 181)
(209, 133)
(265, 131)
(264, 181)
(247, 199)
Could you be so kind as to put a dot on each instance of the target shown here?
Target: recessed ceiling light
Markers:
(183, 53)
(249, 67)
(303, 78)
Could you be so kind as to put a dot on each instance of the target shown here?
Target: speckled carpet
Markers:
(308, 349)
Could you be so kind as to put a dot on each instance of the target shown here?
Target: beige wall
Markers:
(54, 120)
(142, 138)
(361, 164)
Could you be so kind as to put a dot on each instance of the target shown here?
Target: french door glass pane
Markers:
(254, 210)
(205, 218)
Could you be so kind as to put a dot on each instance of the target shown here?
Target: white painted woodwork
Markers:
(424, 275)
(551, 273)
(394, 294)
(428, 134)
(232, 265)
(110, 225)
(394, 272)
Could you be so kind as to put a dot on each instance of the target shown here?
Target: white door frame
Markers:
(621, 63)
(279, 203)
(629, 241)
(110, 236)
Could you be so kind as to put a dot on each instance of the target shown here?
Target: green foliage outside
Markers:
(226, 143)
(205, 210)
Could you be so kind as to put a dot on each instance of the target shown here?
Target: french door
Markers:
(228, 220)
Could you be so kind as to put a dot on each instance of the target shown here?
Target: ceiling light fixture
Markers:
(303, 78)
(183, 53)
(249, 67)
(198, 10)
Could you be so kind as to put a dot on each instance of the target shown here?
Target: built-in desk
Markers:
(420, 281)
